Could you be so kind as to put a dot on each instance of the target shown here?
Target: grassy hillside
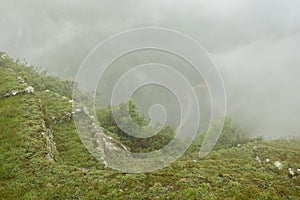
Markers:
(42, 157)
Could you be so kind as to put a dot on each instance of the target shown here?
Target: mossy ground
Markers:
(25, 172)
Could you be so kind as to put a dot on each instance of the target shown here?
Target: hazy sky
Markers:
(255, 43)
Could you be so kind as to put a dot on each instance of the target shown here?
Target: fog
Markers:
(255, 44)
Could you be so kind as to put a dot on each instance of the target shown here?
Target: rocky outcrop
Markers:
(95, 135)
(50, 144)
(35, 106)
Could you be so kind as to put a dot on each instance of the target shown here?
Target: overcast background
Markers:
(255, 44)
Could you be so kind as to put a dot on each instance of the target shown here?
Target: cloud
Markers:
(254, 42)
(262, 84)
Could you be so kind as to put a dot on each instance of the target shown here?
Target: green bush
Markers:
(107, 121)
(231, 136)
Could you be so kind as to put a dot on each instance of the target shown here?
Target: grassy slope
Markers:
(26, 173)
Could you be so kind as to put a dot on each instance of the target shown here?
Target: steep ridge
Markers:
(59, 115)
(17, 88)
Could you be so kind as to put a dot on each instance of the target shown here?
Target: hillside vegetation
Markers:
(42, 156)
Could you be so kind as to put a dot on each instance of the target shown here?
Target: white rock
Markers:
(267, 160)
(238, 145)
(77, 110)
(84, 170)
(104, 162)
(254, 148)
(291, 172)
(110, 138)
(29, 90)
(110, 146)
(48, 156)
(71, 101)
(257, 159)
(47, 91)
(20, 80)
(194, 161)
(14, 92)
(278, 165)
(64, 97)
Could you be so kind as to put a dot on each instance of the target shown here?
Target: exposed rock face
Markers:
(104, 145)
(47, 134)
(50, 144)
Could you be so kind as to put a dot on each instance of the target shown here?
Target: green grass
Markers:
(26, 173)
(8, 81)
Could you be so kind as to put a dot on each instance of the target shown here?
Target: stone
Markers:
(257, 159)
(84, 170)
(278, 165)
(103, 161)
(291, 172)
(48, 156)
(29, 90)
(20, 80)
(77, 110)
(14, 92)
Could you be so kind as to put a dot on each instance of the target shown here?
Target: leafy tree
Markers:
(107, 121)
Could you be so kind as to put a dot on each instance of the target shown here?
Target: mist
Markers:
(255, 44)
